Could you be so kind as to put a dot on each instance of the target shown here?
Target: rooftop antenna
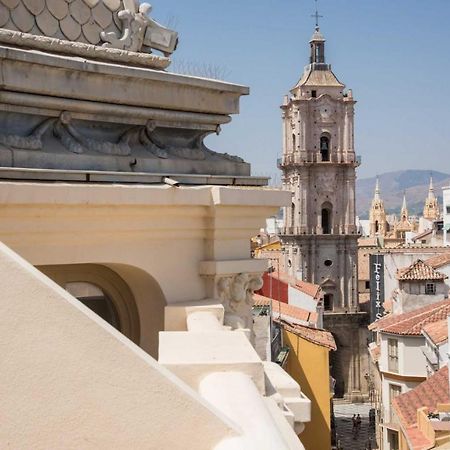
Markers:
(317, 16)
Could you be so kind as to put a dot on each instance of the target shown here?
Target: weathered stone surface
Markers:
(70, 28)
(22, 18)
(35, 6)
(58, 8)
(4, 15)
(80, 11)
(47, 23)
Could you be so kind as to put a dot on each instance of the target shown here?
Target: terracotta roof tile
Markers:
(287, 311)
(420, 271)
(439, 260)
(412, 323)
(310, 289)
(417, 440)
(437, 331)
(315, 335)
(428, 394)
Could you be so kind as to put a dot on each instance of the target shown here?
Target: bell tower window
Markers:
(328, 302)
(325, 148)
(326, 217)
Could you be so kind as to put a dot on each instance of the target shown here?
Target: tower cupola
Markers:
(317, 44)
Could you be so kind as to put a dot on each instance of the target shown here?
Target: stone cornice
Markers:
(54, 45)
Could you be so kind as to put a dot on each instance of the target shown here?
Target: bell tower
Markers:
(318, 166)
(320, 236)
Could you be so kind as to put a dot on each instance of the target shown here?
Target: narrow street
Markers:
(346, 438)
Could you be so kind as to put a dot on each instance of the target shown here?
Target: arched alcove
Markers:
(112, 292)
(326, 217)
(325, 146)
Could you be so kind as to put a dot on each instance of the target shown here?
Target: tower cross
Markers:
(316, 15)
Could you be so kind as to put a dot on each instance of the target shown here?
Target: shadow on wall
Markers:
(128, 298)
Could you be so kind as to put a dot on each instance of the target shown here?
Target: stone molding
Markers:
(54, 45)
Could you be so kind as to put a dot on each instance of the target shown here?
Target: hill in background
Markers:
(392, 185)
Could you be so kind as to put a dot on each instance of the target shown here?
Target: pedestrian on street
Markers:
(358, 422)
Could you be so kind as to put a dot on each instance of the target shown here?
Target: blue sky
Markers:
(394, 54)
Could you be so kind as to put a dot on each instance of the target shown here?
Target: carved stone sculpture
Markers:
(138, 29)
(236, 295)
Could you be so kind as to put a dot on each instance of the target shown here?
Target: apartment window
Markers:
(448, 209)
(430, 289)
(392, 355)
(394, 391)
(367, 284)
(314, 94)
(393, 440)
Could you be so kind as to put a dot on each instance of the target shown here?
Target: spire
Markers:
(377, 190)
(404, 212)
(431, 189)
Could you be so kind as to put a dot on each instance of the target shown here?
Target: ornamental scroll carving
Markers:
(139, 30)
(236, 295)
(68, 133)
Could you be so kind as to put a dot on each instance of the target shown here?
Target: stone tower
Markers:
(431, 209)
(320, 237)
(377, 217)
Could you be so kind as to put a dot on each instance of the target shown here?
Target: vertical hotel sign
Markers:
(376, 286)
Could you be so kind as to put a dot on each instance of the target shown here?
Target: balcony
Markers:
(306, 158)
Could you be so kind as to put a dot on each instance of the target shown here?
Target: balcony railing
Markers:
(316, 157)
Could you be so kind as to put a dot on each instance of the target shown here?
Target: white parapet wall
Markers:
(69, 380)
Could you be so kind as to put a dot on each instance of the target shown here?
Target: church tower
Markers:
(431, 209)
(318, 166)
(377, 217)
(320, 236)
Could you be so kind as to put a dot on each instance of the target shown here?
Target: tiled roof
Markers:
(412, 323)
(428, 394)
(310, 289)
(310, 334)
(439, 260)
(287, 311)
(420, 271)
(437, 331)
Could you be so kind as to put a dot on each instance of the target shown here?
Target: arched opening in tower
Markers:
(326, 218)
(325, 148)
(328, 302)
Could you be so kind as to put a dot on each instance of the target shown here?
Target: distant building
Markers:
(400, 360)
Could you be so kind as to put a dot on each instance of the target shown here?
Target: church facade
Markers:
(320, 237)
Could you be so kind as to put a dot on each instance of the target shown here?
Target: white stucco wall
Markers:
(302, 300)
(411, 361)
(154, 237)
(69, 380)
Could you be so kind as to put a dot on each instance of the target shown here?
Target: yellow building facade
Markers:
(308, 363)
